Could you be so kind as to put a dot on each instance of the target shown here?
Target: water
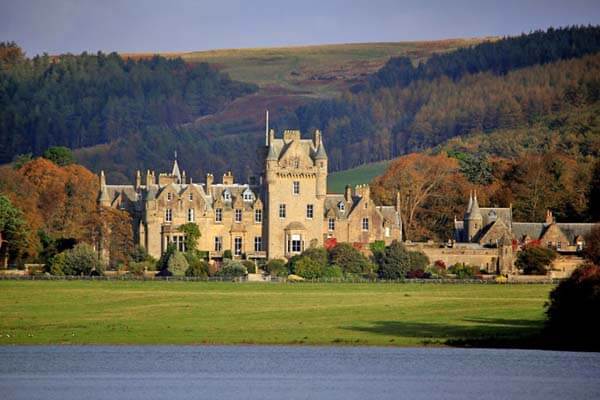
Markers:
(286, 372)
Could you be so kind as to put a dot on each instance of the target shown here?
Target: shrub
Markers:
(138, 268)
(250, 266)
(573, 308)
(277, 268)
(57, 264)
(82, 260)
(191, 235)
(350, 260)
(177, 264)
(393, 262)
(418, 274)
(333, 271)
(162, 263)
(535, 260)
(227, 255)
(232, 268)
(463, 271)
(592, 244)
(418, 260)
(197, 269)
(308, 268)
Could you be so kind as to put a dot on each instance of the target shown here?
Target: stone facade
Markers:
(278, 215)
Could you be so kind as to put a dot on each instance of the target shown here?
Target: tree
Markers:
(82, 260)
(13, 231)
(197, 269)
(277, 268)
(59, 155)
(350, 260)
(393, 262)
(191, 234)
(535, 260)
(573, 309)
(177, 264)
(592, 245)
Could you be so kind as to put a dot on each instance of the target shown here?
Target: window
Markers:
(365, 224)
(180, 243)
(558, 245)
(341, 206)
(282, 211)
(296, 187)
(169, 196)
(190, 215)
(309, 211)
(226, 195)
(331, 224)
(294, 244)
(191, 197)
(296, 163)
(218, 243)
(238, 215)
(549, 245)
(258, 243)
(258, 215)
(218, 215)
(237, 246)
(248, 196)
(386, 231)
(168, 215)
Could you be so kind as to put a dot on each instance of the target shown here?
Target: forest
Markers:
(89, 99)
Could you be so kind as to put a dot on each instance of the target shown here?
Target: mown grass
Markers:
(117, 312)
(364, 174)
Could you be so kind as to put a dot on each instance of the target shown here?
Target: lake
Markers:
(293, 372)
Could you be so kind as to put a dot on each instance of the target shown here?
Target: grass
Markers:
(364, 174)
(83, 312)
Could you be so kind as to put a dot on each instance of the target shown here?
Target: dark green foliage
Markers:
(59, 155)
(139, 253)
(594, 199)
(162, 264)
(137, 268)
(277, 268)
(192, 234)
(475, 167)
(393, 262)
(80, 260)
(13, 231)
(418, 260)
(350, 260)
(308, 268)
(227, 255)
(250, 266)
(21, 159)
(535, 260)
(333, 271)
(573, 309)
(83, 100)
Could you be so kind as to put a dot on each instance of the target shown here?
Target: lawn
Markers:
(118, 312)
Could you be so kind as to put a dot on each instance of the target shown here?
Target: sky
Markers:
(60, 26)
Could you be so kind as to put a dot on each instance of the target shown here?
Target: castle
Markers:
(276, 216)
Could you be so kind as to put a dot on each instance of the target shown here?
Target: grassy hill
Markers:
(355, 176)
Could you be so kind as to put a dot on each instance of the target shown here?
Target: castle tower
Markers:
(296, 186)
(473, 218)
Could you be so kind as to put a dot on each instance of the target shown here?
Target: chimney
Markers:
(271, 136)
(183, 177)
(209, 181)
(317, 138)
(348, 193)
(149, 178)
(228, 178)
(549, 217)
(102, 179)
(138, 179)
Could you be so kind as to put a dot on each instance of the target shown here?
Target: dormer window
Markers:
(248, 195)
(226, 196)
(169, 196)
(341, 206)
(191, 197)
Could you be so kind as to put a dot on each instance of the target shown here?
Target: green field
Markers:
(120, 312)
(364, 174)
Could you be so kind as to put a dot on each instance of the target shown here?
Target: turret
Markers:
(103, 198)
(473, 218)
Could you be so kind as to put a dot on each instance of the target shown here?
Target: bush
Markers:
(177, 264)
(573, 308)
(197, 269)
(227, 255)
(57, 264)
(82, 260)
(308, 268)
(333, 271)
(138, 268)
(418, 261)
(463, 271)
(277, 268)
(350, 260)
(250, 266)
(393, 262)
(418, 274)
(232, 268)
(592, 245)
(535, 260)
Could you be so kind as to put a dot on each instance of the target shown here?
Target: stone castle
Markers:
(276, 216)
